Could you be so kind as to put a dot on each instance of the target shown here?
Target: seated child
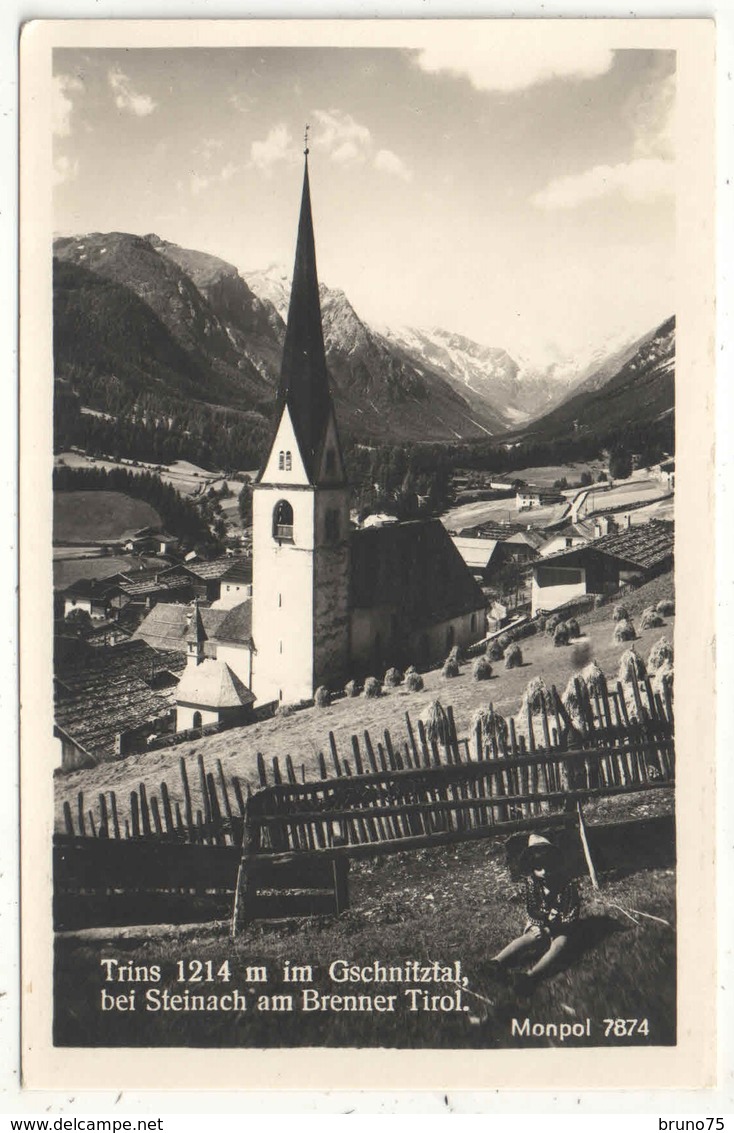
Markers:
(552, 902)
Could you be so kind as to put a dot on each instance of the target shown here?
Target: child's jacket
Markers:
(552, 906)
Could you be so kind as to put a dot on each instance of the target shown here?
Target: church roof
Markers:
(304, 381)
(212, 684)
(415, 568)
(167, 626)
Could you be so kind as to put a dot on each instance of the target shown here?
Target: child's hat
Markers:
(538, 849)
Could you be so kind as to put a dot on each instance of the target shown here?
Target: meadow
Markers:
(99, 517)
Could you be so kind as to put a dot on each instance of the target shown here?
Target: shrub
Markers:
(481, 669)
(630, 662)
(574, 630)
(435, 721)
(624, 631)
(598, 601)
(450, 667)
(513, 656)
(552, 624)
(620, 614)
(560, 634)
(372, 688)
(650, 618)
(413, 681)
(322, 697)
(495, 652)
(666, 607)
(351, 688)
(456, 654)
(410, 669)
(661, 652)
(284, 710)
(393, 678)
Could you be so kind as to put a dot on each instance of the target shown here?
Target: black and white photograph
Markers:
(362, 394)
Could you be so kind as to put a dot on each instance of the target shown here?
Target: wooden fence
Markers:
(437, 789)
(381, 796)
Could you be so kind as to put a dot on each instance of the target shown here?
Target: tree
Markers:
(620, 463)
(585, 479)
(245, 505)
(79, 622)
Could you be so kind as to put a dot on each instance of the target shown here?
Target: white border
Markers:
(711, 1101)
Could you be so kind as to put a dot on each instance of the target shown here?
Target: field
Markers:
(460, 903)
(185, 477)
(639, 488)
(304, 734)
(545, 476)
(68, 570)
(99, 517)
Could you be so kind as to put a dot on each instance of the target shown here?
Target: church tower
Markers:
(300, 522)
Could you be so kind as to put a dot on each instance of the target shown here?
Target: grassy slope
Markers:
(459, 903)
(305, 733)
(94, 517)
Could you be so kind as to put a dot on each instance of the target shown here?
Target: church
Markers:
(330, 603)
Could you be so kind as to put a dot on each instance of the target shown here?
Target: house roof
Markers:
(215, 568)
(644, 546)
(112, 689)
(90, 588)
(415, 568)
(239, 571)
(236, 627)
(212, 684)
(476, 553)
(490, 530)
(533, 539)
(168, 623)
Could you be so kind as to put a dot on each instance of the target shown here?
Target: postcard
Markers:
(366, 493)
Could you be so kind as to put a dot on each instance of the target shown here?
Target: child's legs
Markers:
(520, 944)
(557, 945)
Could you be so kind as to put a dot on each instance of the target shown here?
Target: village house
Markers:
(89, 595)
(603, 565)
(528, 498)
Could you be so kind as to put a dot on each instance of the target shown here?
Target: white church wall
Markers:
(239, 660)
(185, 717)
(285, 445)
(371, 634)
(283, 598)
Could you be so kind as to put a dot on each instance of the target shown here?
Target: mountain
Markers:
(640, 390)
(212, 345)
(515, 390)
(380, 390)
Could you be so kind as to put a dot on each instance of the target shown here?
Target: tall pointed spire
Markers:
(196, 635)
(304, 381)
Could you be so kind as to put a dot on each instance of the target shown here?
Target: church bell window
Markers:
(281, 461)
(288, 462)
(283, 522)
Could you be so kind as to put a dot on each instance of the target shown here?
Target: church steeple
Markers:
(196, 636)
(304, 381)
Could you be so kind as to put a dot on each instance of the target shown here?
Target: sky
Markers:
(524, 199)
